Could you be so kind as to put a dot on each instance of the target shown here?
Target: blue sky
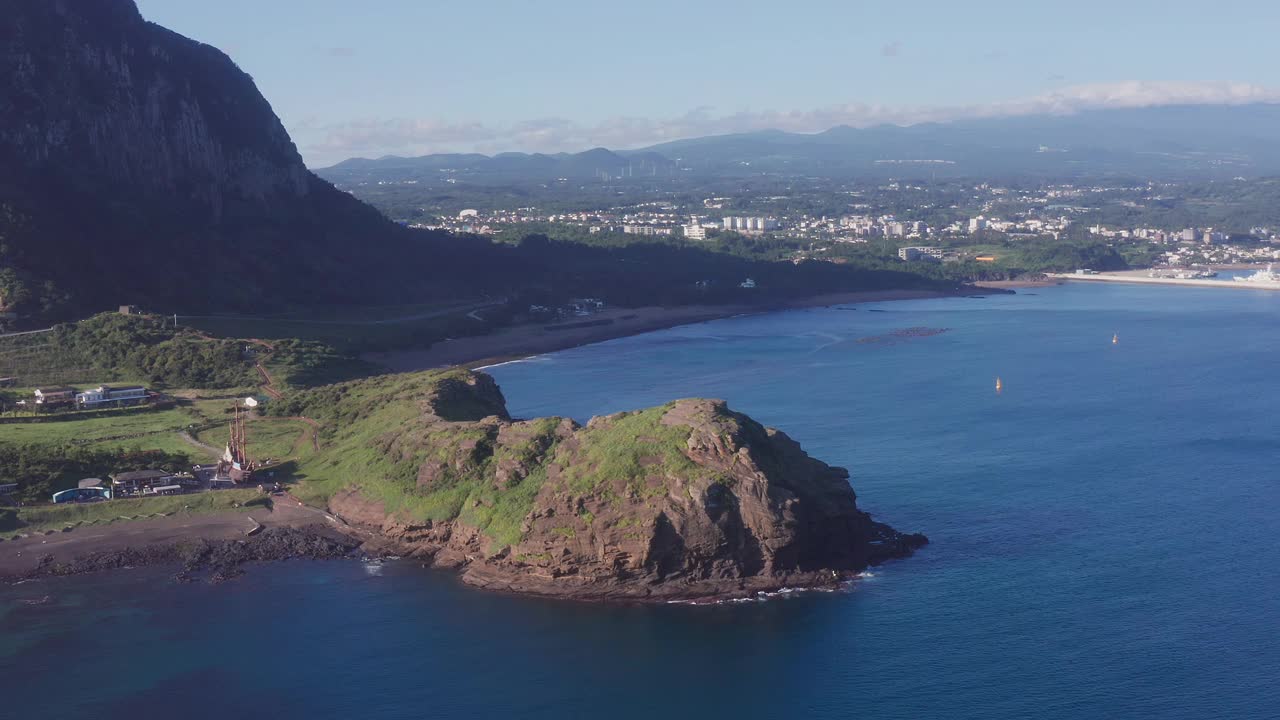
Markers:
(417, 76)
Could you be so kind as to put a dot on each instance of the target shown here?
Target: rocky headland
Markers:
(682, 501)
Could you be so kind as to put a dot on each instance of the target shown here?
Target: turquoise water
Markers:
(1103, 532)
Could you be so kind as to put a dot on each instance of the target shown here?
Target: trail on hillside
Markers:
(268, 386)
(191, 440)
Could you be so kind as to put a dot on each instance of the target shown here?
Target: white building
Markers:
(750, 224)
(910, 254)
(977, 224)
(646, 230)
(107, 395)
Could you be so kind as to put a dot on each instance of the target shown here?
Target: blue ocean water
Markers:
(1104, 536)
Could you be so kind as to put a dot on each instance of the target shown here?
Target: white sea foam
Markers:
(509, 362)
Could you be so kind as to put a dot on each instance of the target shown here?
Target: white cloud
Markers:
(374, 138)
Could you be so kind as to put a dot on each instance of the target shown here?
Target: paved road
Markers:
(25, 332)
(385, 321)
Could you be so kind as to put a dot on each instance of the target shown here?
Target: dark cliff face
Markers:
(139, 166)
(93, 89)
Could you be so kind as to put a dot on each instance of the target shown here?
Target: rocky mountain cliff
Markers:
(686, 500)
(139, 166)
(91, 86)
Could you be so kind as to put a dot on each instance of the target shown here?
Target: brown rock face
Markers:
(687, 500)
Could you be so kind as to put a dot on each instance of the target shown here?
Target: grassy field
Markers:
(140, 423)
(169, 442)
(274, 438)
(137, 429)
(58, 517)
(279, 439)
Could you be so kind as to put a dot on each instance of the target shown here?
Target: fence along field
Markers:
(32, 362)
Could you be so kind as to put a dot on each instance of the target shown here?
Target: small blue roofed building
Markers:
(86, 492)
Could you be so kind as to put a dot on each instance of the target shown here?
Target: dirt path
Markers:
(25, 332)
(268, 385)
(312, 431)
(190, 440)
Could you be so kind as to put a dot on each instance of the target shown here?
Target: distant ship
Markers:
(1263, 277)
(999, 385)
(1115, 339)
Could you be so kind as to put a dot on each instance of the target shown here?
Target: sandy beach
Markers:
(526, 340)
(1013, 284)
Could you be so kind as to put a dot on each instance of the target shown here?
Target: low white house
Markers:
(108, 395)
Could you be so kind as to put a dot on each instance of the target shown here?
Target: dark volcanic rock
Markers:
(221, 559)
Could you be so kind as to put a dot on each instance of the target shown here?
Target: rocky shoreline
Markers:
(501, 577)
(201, 559)
(220, 560)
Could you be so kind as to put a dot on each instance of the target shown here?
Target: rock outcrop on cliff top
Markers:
(686, 500)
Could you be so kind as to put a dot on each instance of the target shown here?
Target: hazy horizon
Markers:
(403, 78)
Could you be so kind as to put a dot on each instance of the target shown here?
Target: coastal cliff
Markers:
(682, 501)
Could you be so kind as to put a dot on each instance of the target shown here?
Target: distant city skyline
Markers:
(410, 78)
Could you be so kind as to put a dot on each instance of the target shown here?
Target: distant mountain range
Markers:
(1168, 142)
(600, 163)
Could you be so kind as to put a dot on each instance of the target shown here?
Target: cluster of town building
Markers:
(659, 220)
(992, 214)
